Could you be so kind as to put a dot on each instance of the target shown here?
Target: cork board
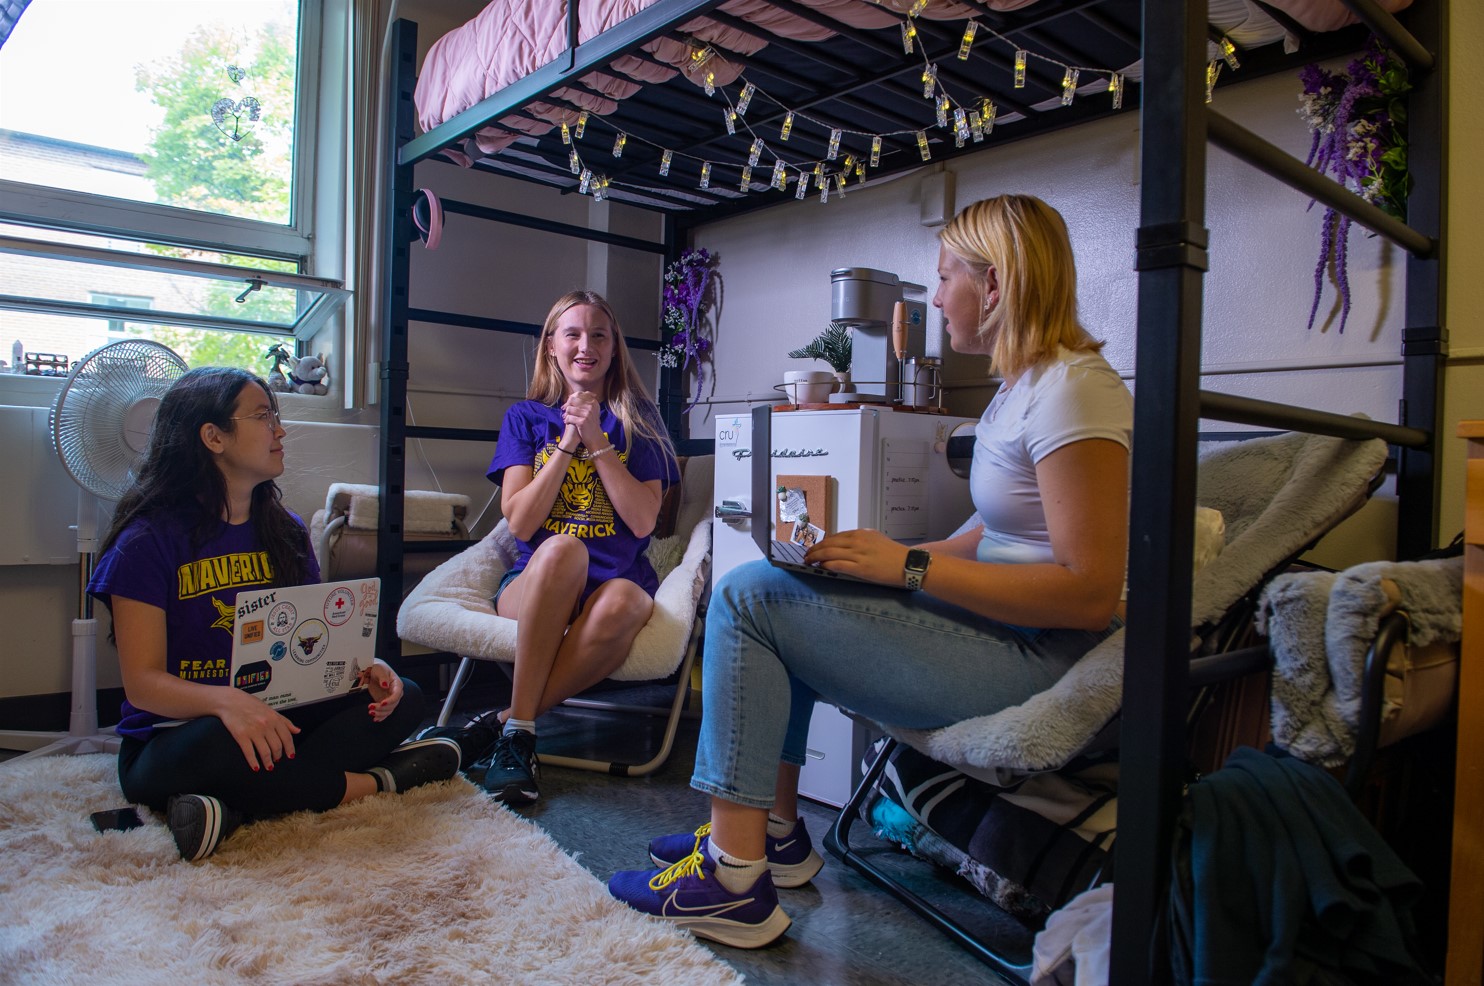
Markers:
(816, 497)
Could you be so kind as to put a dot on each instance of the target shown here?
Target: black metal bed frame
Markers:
(1171, 260)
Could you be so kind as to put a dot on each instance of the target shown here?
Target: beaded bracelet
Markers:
(602, 451)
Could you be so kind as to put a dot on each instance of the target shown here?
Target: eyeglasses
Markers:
(269, 418)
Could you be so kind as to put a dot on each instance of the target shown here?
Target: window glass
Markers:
(185, 103)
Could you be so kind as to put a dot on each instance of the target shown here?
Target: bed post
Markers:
(1424, 337)
(1171, 261)
(393, 395)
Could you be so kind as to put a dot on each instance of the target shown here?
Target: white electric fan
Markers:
(100, 423)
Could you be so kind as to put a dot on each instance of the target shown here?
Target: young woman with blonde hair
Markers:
(582, 465)
(1000, 611)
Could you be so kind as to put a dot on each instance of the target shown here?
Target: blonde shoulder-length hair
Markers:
(1026, 242)
(626, 395)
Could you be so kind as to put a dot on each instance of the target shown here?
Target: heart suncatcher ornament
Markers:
(246, 110)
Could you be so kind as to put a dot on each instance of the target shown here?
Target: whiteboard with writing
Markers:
(904, 489)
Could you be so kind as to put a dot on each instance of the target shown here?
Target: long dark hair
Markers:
(179, 475)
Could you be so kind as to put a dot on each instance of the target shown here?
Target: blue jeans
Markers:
(776, 641)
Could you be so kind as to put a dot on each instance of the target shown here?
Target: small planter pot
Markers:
(808, 386)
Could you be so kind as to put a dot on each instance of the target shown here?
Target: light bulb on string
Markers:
(1020, 56)
(976, 126)
(755, 152)
(922, 145)
(710, 82)
(729, 117)
(665, 160)
(1212, 71)
(909, 37)
(574, 162)
(746, 181)
(618, 143)
(875, 151)
(964, 45)
(581, 124)
(840, 184)
(1229, 52)
(918, 6)
(834, 148)
(1068, 86)
(987, 112)
(824, 190)
(961, 125)
(745, 100)
(586, 181)
(788, 126)
(1115, 86)
(780, 177)
(943, 105)
(930, 80)
(803, 187)
(706, 174)
(860, 174)
(566, 134)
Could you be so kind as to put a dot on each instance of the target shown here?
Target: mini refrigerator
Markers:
(883, 468)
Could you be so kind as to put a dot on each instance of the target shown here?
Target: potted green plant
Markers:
(833, 345)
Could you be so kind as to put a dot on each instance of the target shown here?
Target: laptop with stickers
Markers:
(304, 643)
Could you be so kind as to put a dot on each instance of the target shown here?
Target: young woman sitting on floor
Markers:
(205, 498)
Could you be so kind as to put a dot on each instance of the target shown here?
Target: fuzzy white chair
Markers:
(450, 610)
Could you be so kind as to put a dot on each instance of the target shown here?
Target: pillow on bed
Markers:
(1210, 536)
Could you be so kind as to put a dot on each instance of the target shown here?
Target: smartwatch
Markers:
(915, 568)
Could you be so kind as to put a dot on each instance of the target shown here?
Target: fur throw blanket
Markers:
(1319, 627)
(1276, 495)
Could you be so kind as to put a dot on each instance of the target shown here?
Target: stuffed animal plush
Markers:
(309, 376)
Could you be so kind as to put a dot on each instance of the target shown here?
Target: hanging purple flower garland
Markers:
(1359, 122)
(690, 288)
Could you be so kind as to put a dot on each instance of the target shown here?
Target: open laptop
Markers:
(784, 554)
(304, 643)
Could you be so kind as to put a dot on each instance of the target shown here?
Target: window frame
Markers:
(64, 209)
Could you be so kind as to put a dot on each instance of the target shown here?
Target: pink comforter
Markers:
(509, 39)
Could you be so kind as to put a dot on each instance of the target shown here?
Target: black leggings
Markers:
(201, 757)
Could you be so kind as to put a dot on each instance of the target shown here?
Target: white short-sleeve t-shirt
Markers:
(1073, 397)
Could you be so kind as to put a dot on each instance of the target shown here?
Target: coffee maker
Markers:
(889, 345)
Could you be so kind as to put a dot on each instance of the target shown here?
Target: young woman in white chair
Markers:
(999, 612)
(582, 465)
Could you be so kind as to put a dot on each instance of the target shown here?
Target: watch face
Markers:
(917, 559)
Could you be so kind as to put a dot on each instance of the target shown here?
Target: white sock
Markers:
(779, 827)
(524, 725)
(737, 875)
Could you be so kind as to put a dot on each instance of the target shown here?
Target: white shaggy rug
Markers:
(434, 886)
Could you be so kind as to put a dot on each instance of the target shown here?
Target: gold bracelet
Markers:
(602, 451)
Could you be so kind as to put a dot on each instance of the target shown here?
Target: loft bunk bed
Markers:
(679, 106)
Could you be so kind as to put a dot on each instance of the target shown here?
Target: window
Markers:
(162, 159)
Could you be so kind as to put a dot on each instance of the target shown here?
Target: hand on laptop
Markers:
(385, 688)
(863, 553)
(264, 736)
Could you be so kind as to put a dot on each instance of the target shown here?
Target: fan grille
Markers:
(93, 407)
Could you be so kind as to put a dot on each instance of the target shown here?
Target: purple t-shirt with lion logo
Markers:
(528, 437)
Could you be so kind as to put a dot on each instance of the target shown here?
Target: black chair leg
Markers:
(837, 842)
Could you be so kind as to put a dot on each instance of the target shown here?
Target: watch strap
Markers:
(915, 568)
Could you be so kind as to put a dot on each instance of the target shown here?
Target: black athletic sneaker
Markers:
(475, 740)
(199, 823)
(511, 769)
(418, 762)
